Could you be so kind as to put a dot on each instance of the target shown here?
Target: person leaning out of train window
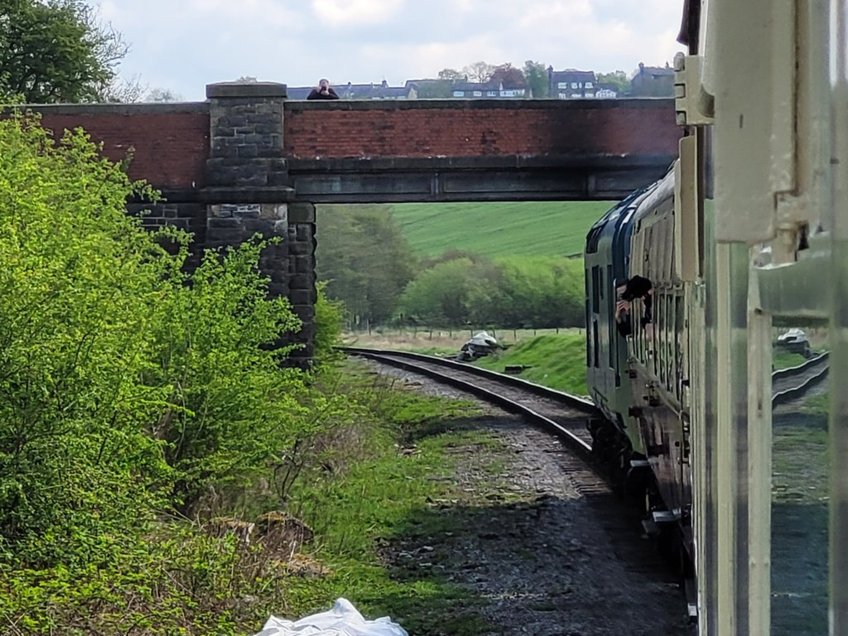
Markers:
(323, 91)
(634, 287)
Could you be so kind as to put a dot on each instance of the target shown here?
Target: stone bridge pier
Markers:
(247, 191)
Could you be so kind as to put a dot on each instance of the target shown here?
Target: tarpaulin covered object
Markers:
(342, 620)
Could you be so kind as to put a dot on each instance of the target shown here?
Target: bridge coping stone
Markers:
(246, 89)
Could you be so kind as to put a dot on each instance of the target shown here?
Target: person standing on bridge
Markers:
(323, 91)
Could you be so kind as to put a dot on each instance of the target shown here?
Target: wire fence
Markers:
(442, 334)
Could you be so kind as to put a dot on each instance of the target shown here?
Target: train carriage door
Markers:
(611, 331)
(596, 308)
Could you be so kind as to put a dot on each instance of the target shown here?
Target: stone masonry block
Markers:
(274, 212)
(301, 212)
(299, 249)
(305, 231)
(301, 281)
(220, 223)
(304, 264)
(302, 297)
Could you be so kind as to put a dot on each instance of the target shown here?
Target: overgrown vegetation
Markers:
(147, 423)
(127, 389)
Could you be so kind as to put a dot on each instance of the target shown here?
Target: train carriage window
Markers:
(588, 336)
(653, 340)
(678, 349)
(594, 237)
(596, 300)
(661, 327)
(611, 330)
(595, 351)
(669, 339)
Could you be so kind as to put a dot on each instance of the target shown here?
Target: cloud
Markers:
(183, 45)
(351, 13)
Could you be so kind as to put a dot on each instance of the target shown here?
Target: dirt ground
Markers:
(547, 548)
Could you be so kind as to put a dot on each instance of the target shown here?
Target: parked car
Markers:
(795, 341)
(479, 345)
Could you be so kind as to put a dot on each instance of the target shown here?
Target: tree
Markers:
(479, 72)
(536, 75)
(451, 75)
(123, 91)
(509, 76)
(365, 260)
(618, 79)
(162, 95)
(439, 296)
(56, 51)
(434, 89)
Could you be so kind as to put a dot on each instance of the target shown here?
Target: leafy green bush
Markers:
(230, 404)
(126, 387)
(329, 317)
(77, 278)
(538, 292)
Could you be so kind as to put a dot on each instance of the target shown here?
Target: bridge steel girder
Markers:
(501, 178)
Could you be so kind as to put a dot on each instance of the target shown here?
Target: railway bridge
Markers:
(249, 160)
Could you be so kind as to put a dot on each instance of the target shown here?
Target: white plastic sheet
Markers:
(342, 620)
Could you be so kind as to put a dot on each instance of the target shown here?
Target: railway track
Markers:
(561, 413)
(791, 383)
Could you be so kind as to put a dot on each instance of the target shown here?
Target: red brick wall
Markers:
(170, 147)
(452, 129)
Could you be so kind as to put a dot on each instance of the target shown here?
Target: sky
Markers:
(182, 45)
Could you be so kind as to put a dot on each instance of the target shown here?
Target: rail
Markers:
(809, 373)
(430, 365)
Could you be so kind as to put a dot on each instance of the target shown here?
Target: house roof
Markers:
(655, 71)
(417, 83)
(572, 75)
(299, 92)
(372, 91)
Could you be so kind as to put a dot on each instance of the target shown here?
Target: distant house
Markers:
(653, 81)
(606, 91)
(376, 91)
(486, 90)
(360, 91)
(572, 84)
(429, 88)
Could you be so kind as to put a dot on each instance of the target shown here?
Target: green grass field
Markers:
(538, 228)
(556, 361)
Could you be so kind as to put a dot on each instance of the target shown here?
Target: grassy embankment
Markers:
(527, 228)
(381, 493)
(557, 360)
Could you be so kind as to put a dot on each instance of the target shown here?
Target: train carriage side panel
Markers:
(657, 356)
(605, 259)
